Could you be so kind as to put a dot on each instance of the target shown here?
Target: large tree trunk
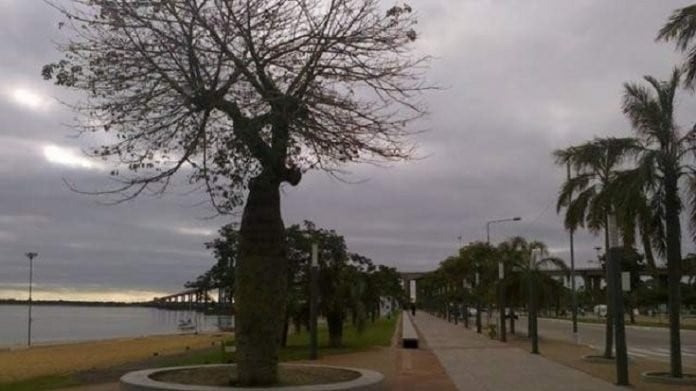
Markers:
(673, 233)
(286, 329)
(261, 284)
(334, 321)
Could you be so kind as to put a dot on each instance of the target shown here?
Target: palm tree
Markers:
(681, 28)
(662, 165)
(634, 212)
(480, 260)
(517, 255)
(595, 164)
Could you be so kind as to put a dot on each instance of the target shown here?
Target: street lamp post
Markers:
(31, 256)
(532, 315)
(478, 303)
(313, 302)
(574, 298)
(488, 226)
(501, 272)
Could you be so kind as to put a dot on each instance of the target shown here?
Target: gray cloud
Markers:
(520, 80)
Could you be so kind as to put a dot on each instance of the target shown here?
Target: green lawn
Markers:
(375, 334)
(41, 383)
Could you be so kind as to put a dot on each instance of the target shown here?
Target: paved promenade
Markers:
(476, 363)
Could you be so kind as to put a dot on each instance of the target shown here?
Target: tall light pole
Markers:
(31, 256)
(501, 275)
(573, 294)
(313, 302)
(532, 315)
(488, 226)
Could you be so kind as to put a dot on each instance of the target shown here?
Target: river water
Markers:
(52, 324)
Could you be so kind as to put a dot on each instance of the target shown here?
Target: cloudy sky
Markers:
(520, 78)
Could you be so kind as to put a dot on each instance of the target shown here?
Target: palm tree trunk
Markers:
(649, 256)
(261, 284)
(673, 238)
(466, 316)
(478, 315)
(609, 326)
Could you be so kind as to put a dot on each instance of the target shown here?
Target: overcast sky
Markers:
(521, 79)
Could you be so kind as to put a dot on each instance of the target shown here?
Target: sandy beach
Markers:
(66, 358)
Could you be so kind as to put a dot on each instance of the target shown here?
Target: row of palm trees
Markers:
(472, 278)
(644, 180)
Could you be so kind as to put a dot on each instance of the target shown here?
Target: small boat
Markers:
(186, 325)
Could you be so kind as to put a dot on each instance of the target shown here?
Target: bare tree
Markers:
(242, 95)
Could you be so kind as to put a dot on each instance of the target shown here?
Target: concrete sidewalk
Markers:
(476, 363)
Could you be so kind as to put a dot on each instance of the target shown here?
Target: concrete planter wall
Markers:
(665, 378)
(141, 381)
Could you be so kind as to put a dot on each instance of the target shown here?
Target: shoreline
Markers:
(20, 347)
(66, 358)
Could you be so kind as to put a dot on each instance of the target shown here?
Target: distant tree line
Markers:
(351, 286)
(470, 279)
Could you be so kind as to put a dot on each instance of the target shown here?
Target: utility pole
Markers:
(31, 256)
(501, 300)
(574, 297)
(532, 316)
(313, 301)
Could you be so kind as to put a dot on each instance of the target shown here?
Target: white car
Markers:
(600, 310)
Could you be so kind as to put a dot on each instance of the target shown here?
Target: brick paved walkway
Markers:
(477, 363)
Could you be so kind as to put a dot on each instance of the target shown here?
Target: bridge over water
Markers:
(194, 298)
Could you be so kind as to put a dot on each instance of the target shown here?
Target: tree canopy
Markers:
(227, 89)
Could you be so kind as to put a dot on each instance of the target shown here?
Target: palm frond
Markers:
(681, 28)
(643, 110)
(689, 68)
(691, 186)
(578, 209)
(572, 186)
(600, 206)
(539, 245)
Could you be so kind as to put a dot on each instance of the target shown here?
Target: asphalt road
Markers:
(647, 342)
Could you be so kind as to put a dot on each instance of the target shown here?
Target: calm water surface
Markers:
(73, 323)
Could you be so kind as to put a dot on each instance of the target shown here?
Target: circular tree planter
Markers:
(688, 379)
(598, 359)
(308, 377)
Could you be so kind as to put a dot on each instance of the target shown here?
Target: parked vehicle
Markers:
(600, 310)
